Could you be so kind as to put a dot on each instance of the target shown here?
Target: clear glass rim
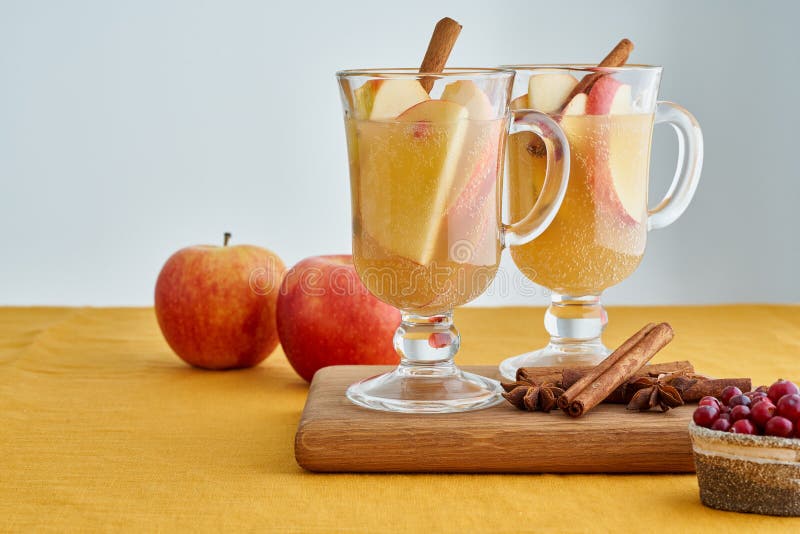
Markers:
(408, 72)
(588, 67)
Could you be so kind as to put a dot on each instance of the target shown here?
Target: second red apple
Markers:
(326, 316)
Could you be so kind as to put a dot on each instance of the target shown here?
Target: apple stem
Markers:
(227, 238)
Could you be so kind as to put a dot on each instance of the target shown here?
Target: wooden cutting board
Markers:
(335, 435)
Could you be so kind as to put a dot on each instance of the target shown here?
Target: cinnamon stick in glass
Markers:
(441, 44)
(616, 58)
(592, 389)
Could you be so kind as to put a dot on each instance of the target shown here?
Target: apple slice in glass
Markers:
(469, 95)
(618, 167)
(411, 187)
(386, 99)
(548, 91)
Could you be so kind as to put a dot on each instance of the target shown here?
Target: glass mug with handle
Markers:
(598, 237)
(425, 153)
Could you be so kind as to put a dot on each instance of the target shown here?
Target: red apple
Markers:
(326, 317)
(216, 305)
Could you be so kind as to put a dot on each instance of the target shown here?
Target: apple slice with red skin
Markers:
(611, 182)
(609, 97)
(470, 214)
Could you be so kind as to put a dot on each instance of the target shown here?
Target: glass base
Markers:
(556, 355)
(430, 388)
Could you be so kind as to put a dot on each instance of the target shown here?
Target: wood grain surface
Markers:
(334, 435)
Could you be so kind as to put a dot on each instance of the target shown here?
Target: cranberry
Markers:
(743, 426)
(757, 397)
(789, 407)
(709, 401)
(740, 412)
(779, 426)
(739, 400)
(726, 415)
(762, 389)
(721, 424)
(781, 388)
(762, 412)
(728, 393)
(724, 409)
(705, 415)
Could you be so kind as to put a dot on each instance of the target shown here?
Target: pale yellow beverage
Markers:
(598, 236)
(426, 207)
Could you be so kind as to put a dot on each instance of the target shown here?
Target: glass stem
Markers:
(428, 341)
(576, 322)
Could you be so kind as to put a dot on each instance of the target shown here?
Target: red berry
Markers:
(709, 401)
(762, 412)
(762, 389)
(739, 400)
(779, 426)
(789, 407)
(728, 392)
(724, 409)
(705, 415)
(781, 388)
(739, 412)
(726, 415)
(743, 426)
(757, 397)
(721, 424)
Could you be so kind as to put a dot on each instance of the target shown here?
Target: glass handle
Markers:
(690, 162)
(556, 177)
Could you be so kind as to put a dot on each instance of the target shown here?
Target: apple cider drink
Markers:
(424, 194)
(597, 239)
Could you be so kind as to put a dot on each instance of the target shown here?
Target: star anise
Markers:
(528, 395)
(655, 391)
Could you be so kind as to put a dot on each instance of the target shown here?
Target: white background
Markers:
(131, 129)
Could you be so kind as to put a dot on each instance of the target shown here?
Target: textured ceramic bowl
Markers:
(743, 473)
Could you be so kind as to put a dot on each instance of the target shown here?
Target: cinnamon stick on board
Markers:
(564, 377)
(621, 395)
(712, 387)
(640, 349)
(595, 373)
(441, 44)
(616, 58)
(570, 375)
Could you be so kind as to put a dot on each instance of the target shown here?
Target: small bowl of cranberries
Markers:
(747, 449)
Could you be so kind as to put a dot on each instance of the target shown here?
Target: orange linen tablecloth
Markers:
(101, 427)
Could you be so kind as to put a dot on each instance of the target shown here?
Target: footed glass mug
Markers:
(597, 239)
(425, 153)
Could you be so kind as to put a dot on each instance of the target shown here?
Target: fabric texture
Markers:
(102, 427)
